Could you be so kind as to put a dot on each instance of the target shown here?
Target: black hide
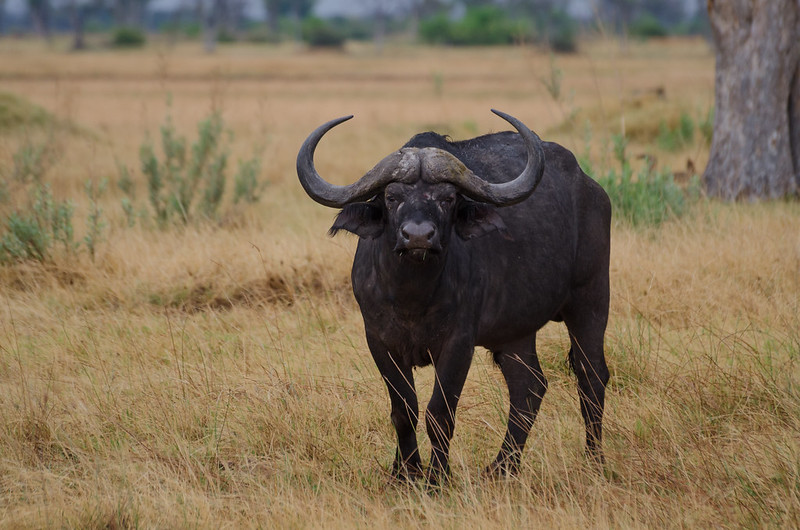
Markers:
(436, 274)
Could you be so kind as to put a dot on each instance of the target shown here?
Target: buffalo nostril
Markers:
(418, 233)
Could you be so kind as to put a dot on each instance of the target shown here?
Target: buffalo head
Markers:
(415, 198)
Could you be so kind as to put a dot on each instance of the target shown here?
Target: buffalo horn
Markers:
(393, 168)
(513, 191)
(335, 196)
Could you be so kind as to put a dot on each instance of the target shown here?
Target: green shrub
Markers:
(480, 26)
(674, 139)
(706, 126)
(560, 32)
(17, 112)
(436, 30)
(226, 36)
(261, 34)
(30, 233)
(321, 34)
(32, 222)
(192, 30)
(127, 37)
(174, 181)
(246, 186)
(646, 27)
(648, 198)
(186, 185)
(94, 221)
(352, 28)
(486, 25)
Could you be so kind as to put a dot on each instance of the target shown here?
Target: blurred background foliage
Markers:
(554, 24)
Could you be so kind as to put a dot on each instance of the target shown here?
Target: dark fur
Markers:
(493, 277)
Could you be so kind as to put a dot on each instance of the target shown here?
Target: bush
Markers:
(127, 37)
(561, 31)
(321, 34)
(261, 34)
(33, 222)
(31, 233)
(436, 30)
(674, 139)
(648, 198)
(226, 36)
(186, 185)
(646, 27)
(353, 29)
(480, 26)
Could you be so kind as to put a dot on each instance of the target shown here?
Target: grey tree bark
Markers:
(755, 150)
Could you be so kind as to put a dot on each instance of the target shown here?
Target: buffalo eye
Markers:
(446, 202)
(391, 201)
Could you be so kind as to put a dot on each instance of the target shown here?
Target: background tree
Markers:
(129, 13)
(421, 9)
(78, 10)
(378, 14)
(294, 9)
(211, 19)
(40, 15)
(755, 150)
(2, 16)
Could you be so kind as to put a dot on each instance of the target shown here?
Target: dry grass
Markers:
(217, 376)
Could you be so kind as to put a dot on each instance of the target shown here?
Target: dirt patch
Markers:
(275, 289)
(32, 276)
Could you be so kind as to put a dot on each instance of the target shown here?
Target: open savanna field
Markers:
(216, 374)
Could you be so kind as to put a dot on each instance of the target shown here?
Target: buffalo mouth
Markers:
(418, 255)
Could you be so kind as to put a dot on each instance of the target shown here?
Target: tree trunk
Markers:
(78, 16)
(756, 142)
(2, 17)
(272, 9)
(40, 13)
(211, 26)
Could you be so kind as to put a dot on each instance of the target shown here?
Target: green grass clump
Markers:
(480, 26)
(187, 185)
(678, 137)
(127, 37)
(31, 232)
(17, 112)
(33, 223)
(648, 197)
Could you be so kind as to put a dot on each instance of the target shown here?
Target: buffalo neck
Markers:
(412, 287)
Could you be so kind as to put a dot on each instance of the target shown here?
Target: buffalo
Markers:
(474, 243)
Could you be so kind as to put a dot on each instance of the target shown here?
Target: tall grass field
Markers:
(205, 367)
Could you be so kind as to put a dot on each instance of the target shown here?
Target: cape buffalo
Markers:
(456, 250)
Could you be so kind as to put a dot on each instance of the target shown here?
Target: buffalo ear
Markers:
(364, 219)
(475, 219)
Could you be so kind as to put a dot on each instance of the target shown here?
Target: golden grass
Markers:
(217, 375)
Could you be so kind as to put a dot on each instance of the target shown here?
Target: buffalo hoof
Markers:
(407, 475)
(500, 470)
(596, 457)
(436, 479)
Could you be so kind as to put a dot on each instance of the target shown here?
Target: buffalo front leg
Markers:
(526, 388)
(451, 371)
(405, 410)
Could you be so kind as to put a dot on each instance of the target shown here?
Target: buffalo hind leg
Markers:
(526, 388)
(587, 325)
(405, 411)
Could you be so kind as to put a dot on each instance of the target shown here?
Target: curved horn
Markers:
(513, 191)
(401, 163)
(393, 167)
